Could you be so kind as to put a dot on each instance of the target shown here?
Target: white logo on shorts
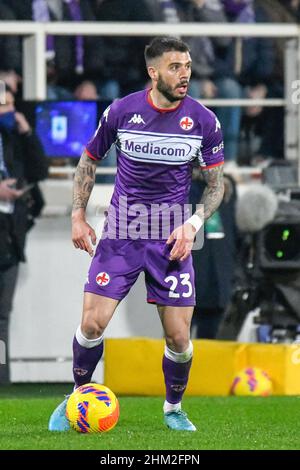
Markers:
(102, 279)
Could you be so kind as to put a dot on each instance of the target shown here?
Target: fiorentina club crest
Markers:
(102, 279)
(186, 123)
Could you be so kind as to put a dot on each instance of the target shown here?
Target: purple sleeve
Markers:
(212, 150)
(106, 134)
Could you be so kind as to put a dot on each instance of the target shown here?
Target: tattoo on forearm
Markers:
(84, 180)
(214, 191)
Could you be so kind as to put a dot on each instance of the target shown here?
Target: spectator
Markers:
(214, 264)
(21, 163)
(268, 123)
(12, 79)
(10, 46)
(86, 90)
(123, 56)
(202, 48)
(292, 7)
(67, 57)
(209, 83)
(206, 82)
(248, 64)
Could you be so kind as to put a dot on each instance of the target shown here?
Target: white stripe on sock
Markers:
(87, 343)
(184, 356)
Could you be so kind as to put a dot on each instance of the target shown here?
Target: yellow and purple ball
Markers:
(93, 408)
(252, 381)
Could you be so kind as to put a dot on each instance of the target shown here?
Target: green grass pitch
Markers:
(223, 423)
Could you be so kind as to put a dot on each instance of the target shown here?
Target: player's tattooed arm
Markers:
(84, 181)
(82, 233)
(214, 191)
(210, 201)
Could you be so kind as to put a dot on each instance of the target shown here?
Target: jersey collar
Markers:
(160, 110)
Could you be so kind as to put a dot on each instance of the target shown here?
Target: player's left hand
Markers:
(184, 236)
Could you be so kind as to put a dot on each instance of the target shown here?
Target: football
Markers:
(92, 408)
(252, 381)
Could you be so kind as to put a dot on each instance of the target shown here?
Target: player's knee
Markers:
(91, 328)
(178, 342)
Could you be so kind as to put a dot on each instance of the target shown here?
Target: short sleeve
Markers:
(212, 149)
(106, 134)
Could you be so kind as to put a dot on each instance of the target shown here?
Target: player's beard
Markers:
(168, 92)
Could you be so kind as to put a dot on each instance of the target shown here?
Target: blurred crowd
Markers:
(110, 67)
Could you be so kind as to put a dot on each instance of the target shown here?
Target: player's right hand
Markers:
(82, 236)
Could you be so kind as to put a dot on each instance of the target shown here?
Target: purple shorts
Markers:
(118, 263)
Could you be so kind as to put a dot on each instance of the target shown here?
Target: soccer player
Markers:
(158, 134)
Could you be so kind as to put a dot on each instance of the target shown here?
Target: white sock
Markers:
(171, 406)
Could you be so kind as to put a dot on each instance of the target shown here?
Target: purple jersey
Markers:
(156, 149)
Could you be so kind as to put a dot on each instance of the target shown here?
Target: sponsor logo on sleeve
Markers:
(218, 148)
